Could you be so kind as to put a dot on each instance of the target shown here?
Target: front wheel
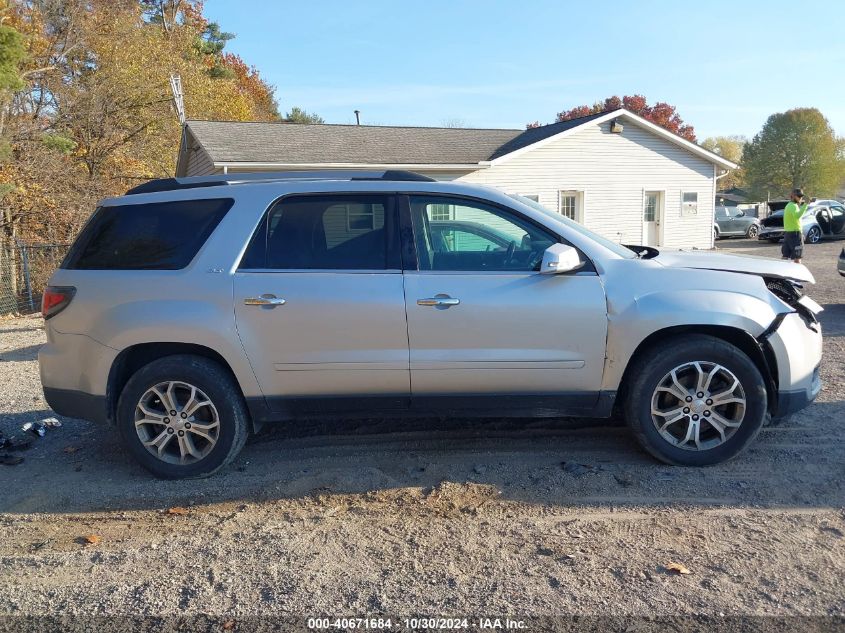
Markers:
(695, 401)
(752, 231)
(182, 416)
(814, 235)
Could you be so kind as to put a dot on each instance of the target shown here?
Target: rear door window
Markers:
(156, 236)
(326, 232)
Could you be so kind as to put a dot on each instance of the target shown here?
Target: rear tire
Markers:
(682, 355)
(204, 435)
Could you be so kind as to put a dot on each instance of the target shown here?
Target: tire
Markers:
(655, 366)
(814, 235)
(222, 416)
(752, 232)
(715, 234)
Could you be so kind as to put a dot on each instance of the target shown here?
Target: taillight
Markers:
(56, 299)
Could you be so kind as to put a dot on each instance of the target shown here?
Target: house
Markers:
(614, 172)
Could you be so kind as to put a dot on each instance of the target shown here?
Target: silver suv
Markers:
(190, 312)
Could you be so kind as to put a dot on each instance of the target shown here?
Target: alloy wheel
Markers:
(814, 235)
(177, 411)
(753, 230)
(698, 406)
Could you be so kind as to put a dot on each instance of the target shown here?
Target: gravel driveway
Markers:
(441, 518)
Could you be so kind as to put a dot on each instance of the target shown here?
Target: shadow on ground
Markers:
(559, 462)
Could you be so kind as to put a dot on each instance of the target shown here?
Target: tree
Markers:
(298, 115)
(661, 113)
(796, 148)
(729, 147)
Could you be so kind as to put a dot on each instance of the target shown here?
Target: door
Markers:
(483, 321)
(319, 301)
(652, 210)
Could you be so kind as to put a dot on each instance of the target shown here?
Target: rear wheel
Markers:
(182, 416)
(695, 401)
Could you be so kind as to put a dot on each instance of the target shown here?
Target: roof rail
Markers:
(214, 180)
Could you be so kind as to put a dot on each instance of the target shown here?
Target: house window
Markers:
(569, 204)
(689, 203)
(360, 217)
(441, 212)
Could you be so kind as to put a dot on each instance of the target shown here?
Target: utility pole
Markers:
(178, 99)
(357, 117)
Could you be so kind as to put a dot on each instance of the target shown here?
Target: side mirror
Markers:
(560, 258)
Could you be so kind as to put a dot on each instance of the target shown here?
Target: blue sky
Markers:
(726, 65)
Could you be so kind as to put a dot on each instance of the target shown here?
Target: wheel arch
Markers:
(131, 359)
(761, 355)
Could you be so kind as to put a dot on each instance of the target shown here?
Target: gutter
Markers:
(225, 166)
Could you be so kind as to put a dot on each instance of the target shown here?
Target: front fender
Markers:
(631, 322)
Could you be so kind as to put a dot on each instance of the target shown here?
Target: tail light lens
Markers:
(56, 299)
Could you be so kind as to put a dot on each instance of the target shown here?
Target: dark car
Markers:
(732, 222)
(841, 266)
(825, 219)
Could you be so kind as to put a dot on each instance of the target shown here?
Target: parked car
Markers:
(771, 228)
(732, 222)
(192, 311)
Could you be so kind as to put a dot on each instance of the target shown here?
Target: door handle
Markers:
(264, 300)
(440, 301)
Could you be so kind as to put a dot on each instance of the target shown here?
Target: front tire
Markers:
(695, 401)
(752, 232)
(182, 416)
(814, 235)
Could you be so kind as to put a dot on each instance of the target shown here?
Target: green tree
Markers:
(729, 147)
(796, 148)
(298, 115)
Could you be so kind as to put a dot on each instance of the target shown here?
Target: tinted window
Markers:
(324, 233)
(456, 234)
(158, 236)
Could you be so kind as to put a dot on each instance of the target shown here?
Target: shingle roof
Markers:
(532, 135)
(227, 141)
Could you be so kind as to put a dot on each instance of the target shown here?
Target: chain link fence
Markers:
(25, 268)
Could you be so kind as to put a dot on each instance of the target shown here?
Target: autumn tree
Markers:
(298, 115)
(661, 113)
(729, 147)
(796, 148)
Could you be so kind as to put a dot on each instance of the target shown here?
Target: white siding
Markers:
(613, 171)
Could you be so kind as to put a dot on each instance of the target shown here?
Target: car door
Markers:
(837, 220)
(723, 220)
(319, 302)
(485, 322)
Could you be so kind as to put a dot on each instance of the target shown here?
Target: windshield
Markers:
(620, 250)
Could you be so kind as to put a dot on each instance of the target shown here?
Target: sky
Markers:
(727, 66)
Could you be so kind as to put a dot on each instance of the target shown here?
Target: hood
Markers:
(762, 266)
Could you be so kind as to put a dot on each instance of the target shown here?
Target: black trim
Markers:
(792, 401)
(76, 404)
(580, 404)
(216, 180)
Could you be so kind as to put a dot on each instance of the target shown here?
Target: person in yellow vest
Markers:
(793, 236)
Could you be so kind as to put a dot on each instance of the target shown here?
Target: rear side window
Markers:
(331, 232)
(157, 236)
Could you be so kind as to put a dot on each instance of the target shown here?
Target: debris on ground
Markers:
(52, 423)
(677, 568)
(91, 539)
(576, 469)
(176, 510)
(36, 428)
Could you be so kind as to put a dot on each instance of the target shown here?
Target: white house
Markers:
(616, 173)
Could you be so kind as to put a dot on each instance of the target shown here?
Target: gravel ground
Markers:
(450, 518)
